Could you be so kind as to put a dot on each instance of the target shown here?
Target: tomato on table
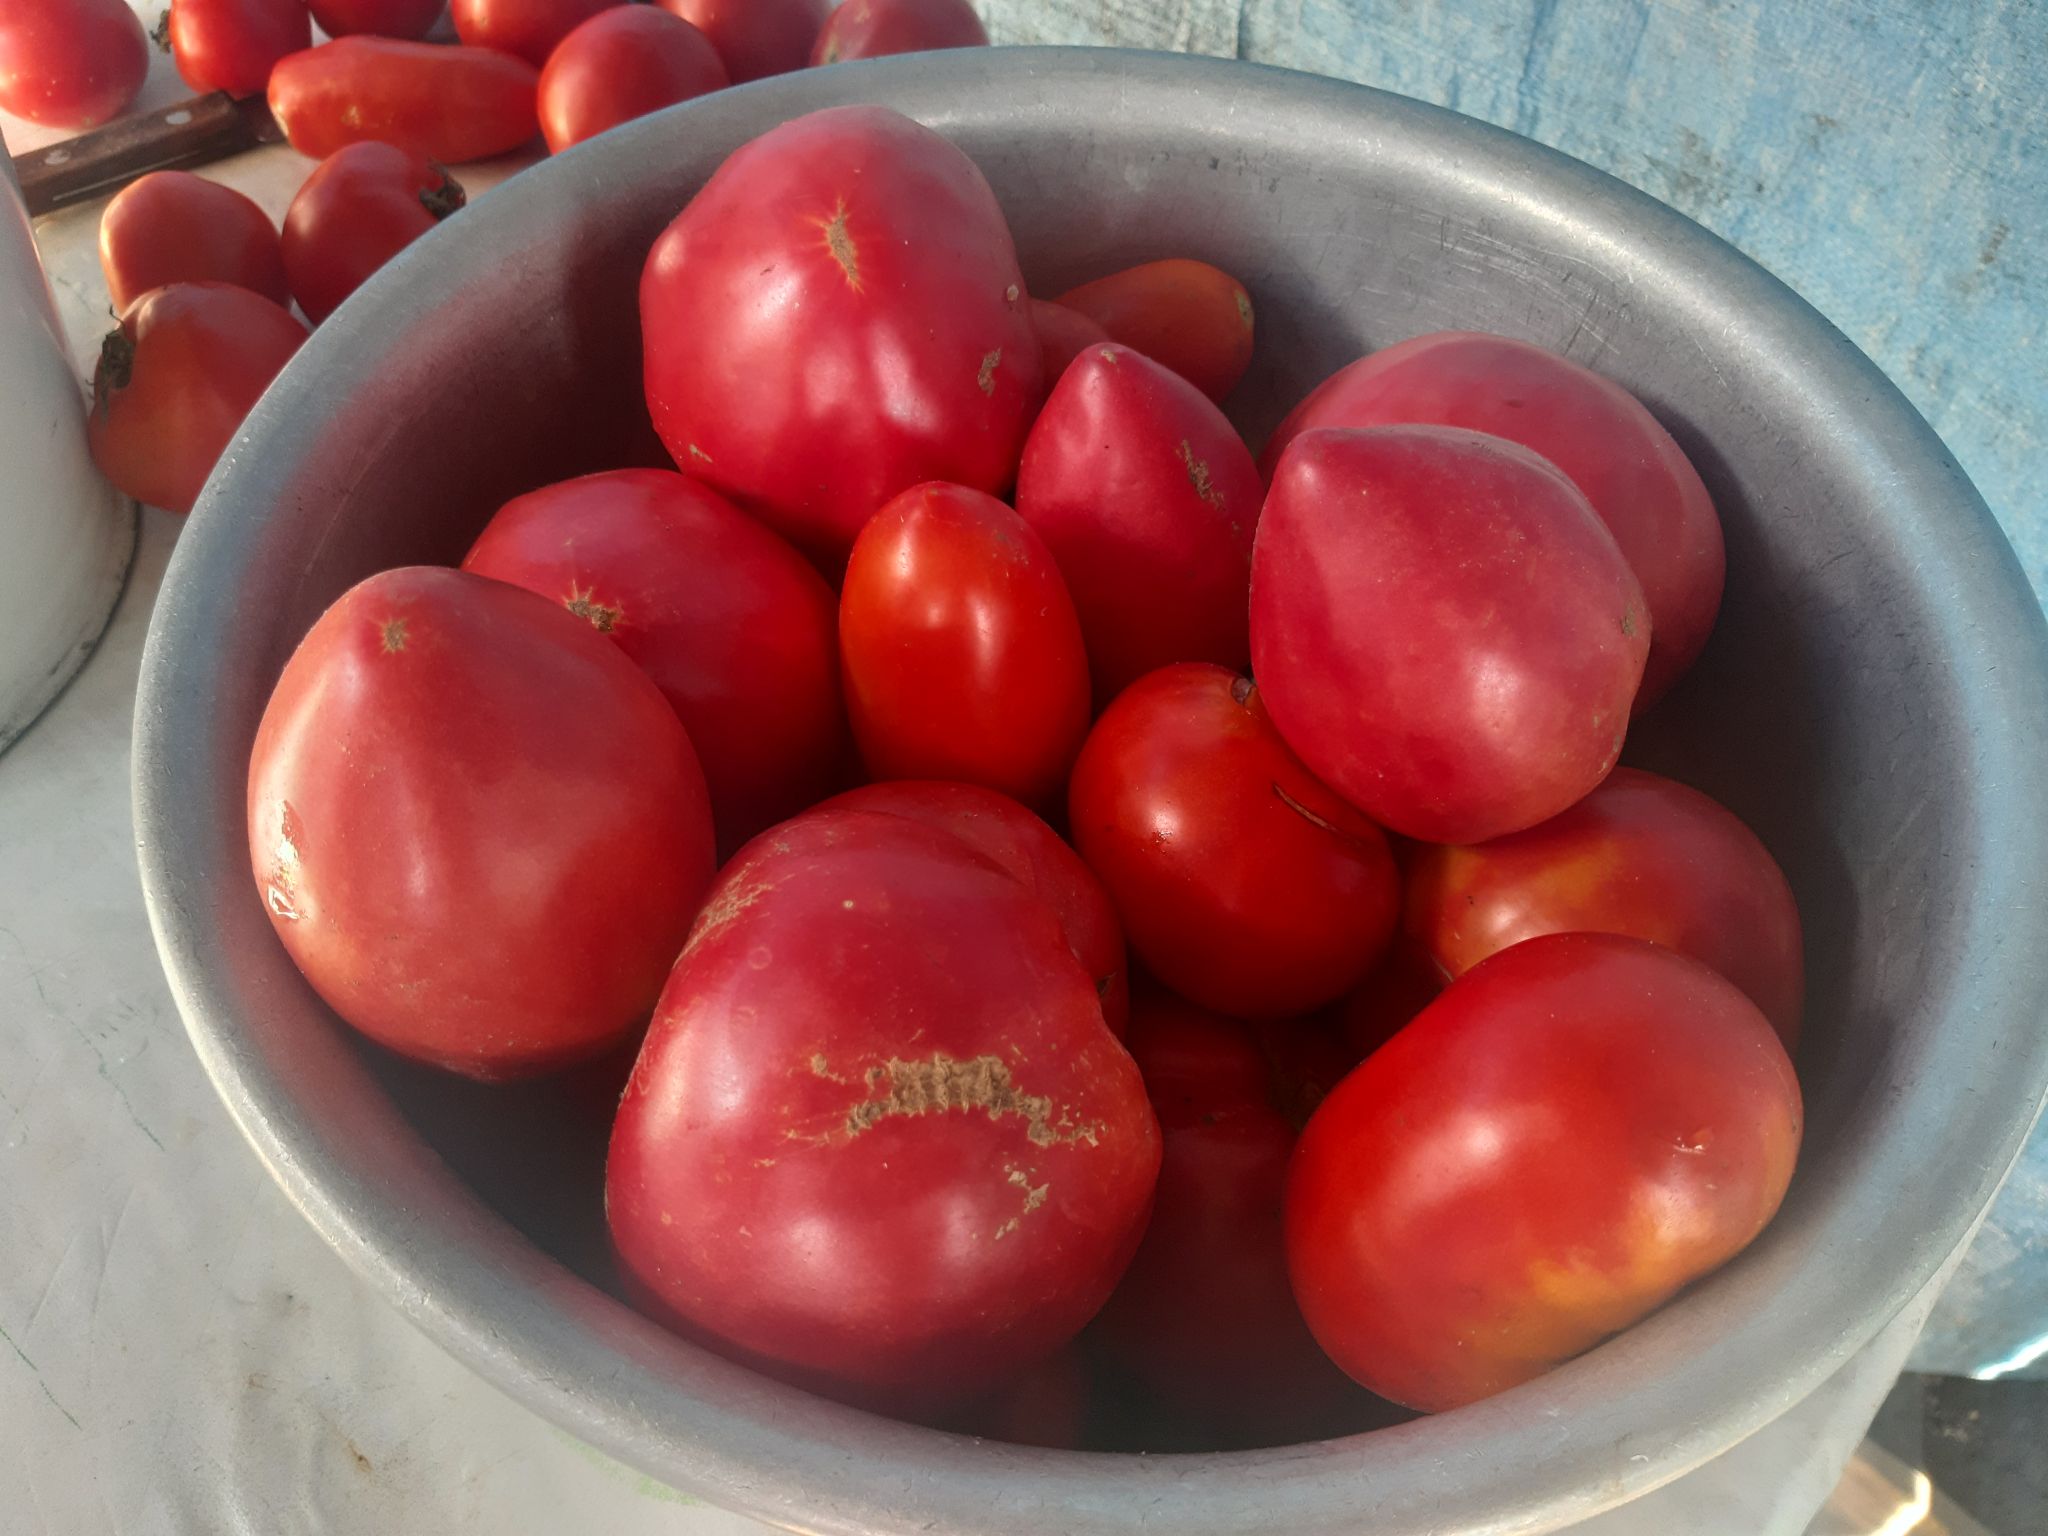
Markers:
(1183, 314)
(621, 64)
(870, 29)
(755, 37)
(529, 29)
(70, 63)
(232, 45)
(445, 101)
(361, 206)
(174, 227)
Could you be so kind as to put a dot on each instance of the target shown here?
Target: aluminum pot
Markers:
(1874, 702)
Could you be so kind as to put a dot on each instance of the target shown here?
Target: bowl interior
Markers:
(1867, 704)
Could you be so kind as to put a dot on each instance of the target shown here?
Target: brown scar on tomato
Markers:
(391, 634)
(584, 604)
(942, 1084)
(1628, 619)
(986, 379)
(1244, 307)
(1198, 475)
(699, 454)
(840, 243)
(722, 908)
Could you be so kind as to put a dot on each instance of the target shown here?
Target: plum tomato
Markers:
(1020, 844)
(755, 37)
(1063, 335)
(1573, 1131)
(1185, 315)
(382, 18)
(878, 1141)
(174, 380)
(1149, 501)
(621, 64)
(1443, 629)
(361, 206)
(174, 227)
(232, 45)
(1641, 855)
(1243, 883)
(529, 29)
(733, 625)
(958, 647)
(479, 830)
(1631, 471)
(444, 101)
(836, 317)
(70, 63)
(869, 29)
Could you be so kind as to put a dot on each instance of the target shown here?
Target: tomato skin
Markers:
(445, 101)
(1149, 501)
(878, 1141)
(409, 19)
(231, 45)
(1046, 1406)
(1443, 629)
(70, 63)
(959, 648)
(836, 317)
(1063, 335)
(871, 29)
(621, 64)
(1019, 842)
(1641, 855)
(529, 29)
(1243, 883)
(175, 378)
(361, 206)
(174, 227)
(734, 626)
(755, 37)
(1573, 1131)
(1607, 444)
(1185, 315)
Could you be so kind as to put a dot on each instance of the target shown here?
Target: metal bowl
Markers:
(1874, 702)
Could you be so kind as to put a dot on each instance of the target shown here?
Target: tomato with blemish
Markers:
(1063, 335)
(1243, 883)
(755, 37)
(621, 64)
(871, 29)
(445, 101)
(1149, 501)
(361, 206)
(384, 18)
(232, 45)
(174, 227)
(70, 63)
(836, 317)
(529, 29)
(1576, 1129)
(879, 1141)
(1183, 314)
(1443, 629)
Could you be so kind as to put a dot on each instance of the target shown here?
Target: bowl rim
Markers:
(1603, 1428)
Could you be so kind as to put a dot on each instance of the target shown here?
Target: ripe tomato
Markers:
(446, 102)
(1607, 444)
(383, 18)
(1025, 848)
(174, 227)
(1640, 855)
(1443, 629)
(175, 378)
(231, 45)
(1244, 884)
(1149, 500)
(1185, 315)
(528, 28)
(959, 648)
(361, 206)
(478, 828)
(733, 625)
(1063, 335)
(1573, 1131)
(878, 1141)
(836, 317)
(70, 63)
(621, 64)
(755, 37)
(869, 29)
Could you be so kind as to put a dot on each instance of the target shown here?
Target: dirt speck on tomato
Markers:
(986, 378)
(840, 243)
(392, 636)
(942, 1084)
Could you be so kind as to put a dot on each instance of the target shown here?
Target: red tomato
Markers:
(446, 102)
(528, 28)
(1244, 884)
(1608, 445)
(383, 18)
(175, 378)
(1186, 315)
(1063, 335)
(361, 206)
(836, 317)
(1149, 500)
(869, 29)
(479, 830)
(70, 63)
(1025, 848)
(1443, 629)
(1572, 1132)
(174, 227)
(1388, 1000)
(1640, 855)
(733, 625)
(231, 45)
(878, 1141)
(959, 648)
(621, 64)
(755, 37)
